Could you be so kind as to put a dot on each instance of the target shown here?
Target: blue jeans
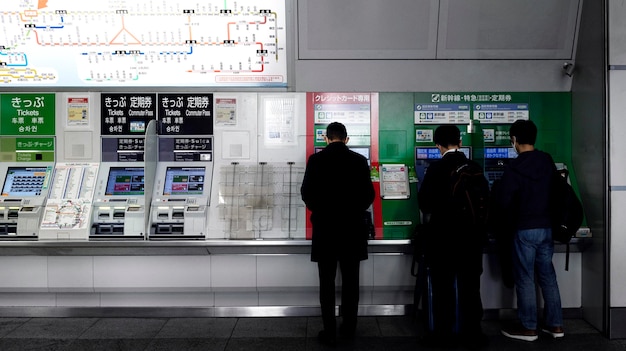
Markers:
(533, 249)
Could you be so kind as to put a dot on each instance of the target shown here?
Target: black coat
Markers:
(525, 187)
(337, 189)
(434, 200)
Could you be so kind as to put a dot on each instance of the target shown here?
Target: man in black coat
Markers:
(452, 248)
(337, 189)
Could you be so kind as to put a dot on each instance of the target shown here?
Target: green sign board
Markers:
(33, 149)
(27, 114)
(34, 144)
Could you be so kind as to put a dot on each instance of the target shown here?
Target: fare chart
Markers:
(143, 43)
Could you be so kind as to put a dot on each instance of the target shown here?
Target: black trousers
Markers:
(463, 269)
(349, 293)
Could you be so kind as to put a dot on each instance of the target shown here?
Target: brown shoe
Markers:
(520, 333)
(556, 332)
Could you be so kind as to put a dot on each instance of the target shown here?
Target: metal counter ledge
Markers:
(210, 247)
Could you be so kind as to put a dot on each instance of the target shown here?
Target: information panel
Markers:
(186, 114)
(143, 43)
(127, 114)
(394, 181)
(26, 114)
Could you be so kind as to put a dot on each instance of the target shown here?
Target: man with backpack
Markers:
(454, 197)
(524, 193)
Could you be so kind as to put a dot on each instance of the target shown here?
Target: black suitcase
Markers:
(434, 323)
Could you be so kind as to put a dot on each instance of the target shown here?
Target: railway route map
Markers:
(147, 43)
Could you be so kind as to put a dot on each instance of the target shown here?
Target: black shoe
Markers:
(518, 332)
(326, 338)
(555, 332)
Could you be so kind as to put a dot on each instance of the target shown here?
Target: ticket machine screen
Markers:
(363, 151)
(496, 158)
(184, 181)
(424, 156)
(24, 181)
(432, 153)
(125, 181)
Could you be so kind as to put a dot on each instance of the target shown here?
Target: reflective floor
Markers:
(283, 333)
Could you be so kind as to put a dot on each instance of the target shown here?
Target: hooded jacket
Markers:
(524, 189)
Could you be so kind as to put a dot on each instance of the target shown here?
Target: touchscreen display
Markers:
(500, 152)
(432, 153)
(24, 181)
(125, 181)
(184, 181)
(365, 151)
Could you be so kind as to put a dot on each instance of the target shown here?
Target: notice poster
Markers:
(280, 121)
(225, 112)
(394, 181)
(77, 111)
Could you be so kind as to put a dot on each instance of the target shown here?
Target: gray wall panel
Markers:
(367, 29)
(589, 154)
(617, 32)
(431, 75)
(507, 29)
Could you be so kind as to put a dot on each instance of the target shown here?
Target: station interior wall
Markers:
(39, 280)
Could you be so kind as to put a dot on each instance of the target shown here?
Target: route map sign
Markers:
(112, 43)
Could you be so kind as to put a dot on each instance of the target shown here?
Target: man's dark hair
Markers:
(336, 131)
(446, 135)
(524, 131)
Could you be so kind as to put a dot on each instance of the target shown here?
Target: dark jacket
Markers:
(525, 188)
(434, 199)
(337, 189)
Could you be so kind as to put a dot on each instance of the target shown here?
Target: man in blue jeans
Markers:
(524, 193)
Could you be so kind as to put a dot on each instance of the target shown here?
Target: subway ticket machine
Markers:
(182, 189)
(128, 154)
(25, 188)
(119, 207)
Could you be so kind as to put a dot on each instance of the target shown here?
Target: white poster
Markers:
(280, 121)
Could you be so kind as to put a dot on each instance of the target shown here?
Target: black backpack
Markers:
(566, 211)
(470, 195)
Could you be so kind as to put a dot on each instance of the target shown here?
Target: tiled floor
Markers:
(286, 333)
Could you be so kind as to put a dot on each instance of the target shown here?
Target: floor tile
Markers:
(52, 328)
(7, 325)
(400, 326)
(380, 333)
(108, 344)
(195, 328)
(125, 328)
(270, 327)
(8, 344)
(189, 344)
(266, 344)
